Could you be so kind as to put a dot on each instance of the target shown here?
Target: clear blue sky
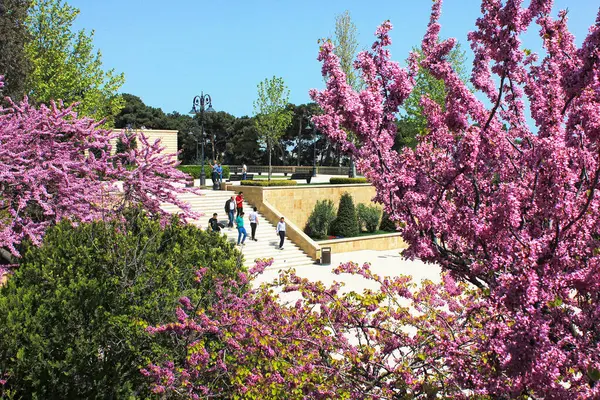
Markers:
(170, 51)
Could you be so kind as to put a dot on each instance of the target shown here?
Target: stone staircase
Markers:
(266, 247)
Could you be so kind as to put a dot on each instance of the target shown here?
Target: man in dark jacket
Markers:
(214, 224)
(230, 210)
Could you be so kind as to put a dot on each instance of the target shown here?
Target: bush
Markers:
(274, 182)
(345, 181)
(194, 170)
(73, 316)
(346, 224)
(368, 217)
(320, 219)
(387, 224)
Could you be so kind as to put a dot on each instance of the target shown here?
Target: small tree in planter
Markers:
(320, 219)
(346, 223)
(368, 217)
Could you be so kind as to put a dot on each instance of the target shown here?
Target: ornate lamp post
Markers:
(198, 108)
(314, 129)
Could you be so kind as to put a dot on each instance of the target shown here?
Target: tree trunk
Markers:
(269, 150)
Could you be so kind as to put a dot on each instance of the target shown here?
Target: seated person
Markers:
(214, 224)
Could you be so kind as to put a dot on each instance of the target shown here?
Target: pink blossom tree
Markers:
(55, 165)
(500, 193)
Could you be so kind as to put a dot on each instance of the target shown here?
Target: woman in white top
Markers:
(281, 232)
(253, 217)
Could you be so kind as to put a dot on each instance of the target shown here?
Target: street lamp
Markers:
(314, 129)
(198, 108)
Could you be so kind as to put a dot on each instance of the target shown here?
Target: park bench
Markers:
(238, 177)
(298, 175)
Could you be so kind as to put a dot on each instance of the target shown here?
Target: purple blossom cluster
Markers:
(506, 205)
(55, 165)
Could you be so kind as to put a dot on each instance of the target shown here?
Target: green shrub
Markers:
(346, 181)
(194, 170)
(274, 182)
(320, 219)
(73, 316)
(387, 224)
(345, 224)
(368, 217)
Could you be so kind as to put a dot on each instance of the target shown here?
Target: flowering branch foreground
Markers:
(510, 209)
(389, 343)
(54, 165)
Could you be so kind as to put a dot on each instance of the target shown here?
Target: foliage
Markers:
(273, 182)
(272, 117)
(510, 209)
(320, 219)
(346, 223)
(194, 170)
(73, 315)
(387, 224)
(252, 344)
(346, 181)
(14, 63)
(65, 66)
(369, 217)
(54, 165)
(345, 43)
(137, 115)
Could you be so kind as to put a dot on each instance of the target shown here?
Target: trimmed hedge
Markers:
(275, 182)
(73, 315)
(346, 181)
(194, 171)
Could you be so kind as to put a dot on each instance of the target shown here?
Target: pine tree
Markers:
(346, 223)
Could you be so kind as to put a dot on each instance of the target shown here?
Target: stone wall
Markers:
(388, 241)
(297, 202)
(168, 139)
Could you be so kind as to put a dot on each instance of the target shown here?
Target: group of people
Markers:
(236, 203)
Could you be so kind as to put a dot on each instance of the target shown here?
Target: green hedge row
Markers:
(194, 170)
(345, 181)
(275, 182)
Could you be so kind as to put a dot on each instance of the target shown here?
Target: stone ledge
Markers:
(388, 241)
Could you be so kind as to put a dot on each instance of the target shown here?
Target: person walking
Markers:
(281, 232)
(230, 210)
(214, 224)
(239, 202)
(244, 172)
(253, 217)
(214, 175)
(241, 230)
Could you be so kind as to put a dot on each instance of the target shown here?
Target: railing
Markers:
(290, 169)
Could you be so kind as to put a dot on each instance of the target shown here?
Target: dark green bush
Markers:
(274, 182)
(346, 224)
(368, 217)
(320, 219)
(73, 316)
(194, 170)
(387, 224)
(346, 181)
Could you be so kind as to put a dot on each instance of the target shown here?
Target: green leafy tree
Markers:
(346, 46)
(135, 114)
(298, 136)
(14, 63)
(346, 222)
(244, 145)
(65, 65)
(272, 116)
(73, 315)
(413, 123)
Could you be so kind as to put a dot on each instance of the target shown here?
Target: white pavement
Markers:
(383, 263)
